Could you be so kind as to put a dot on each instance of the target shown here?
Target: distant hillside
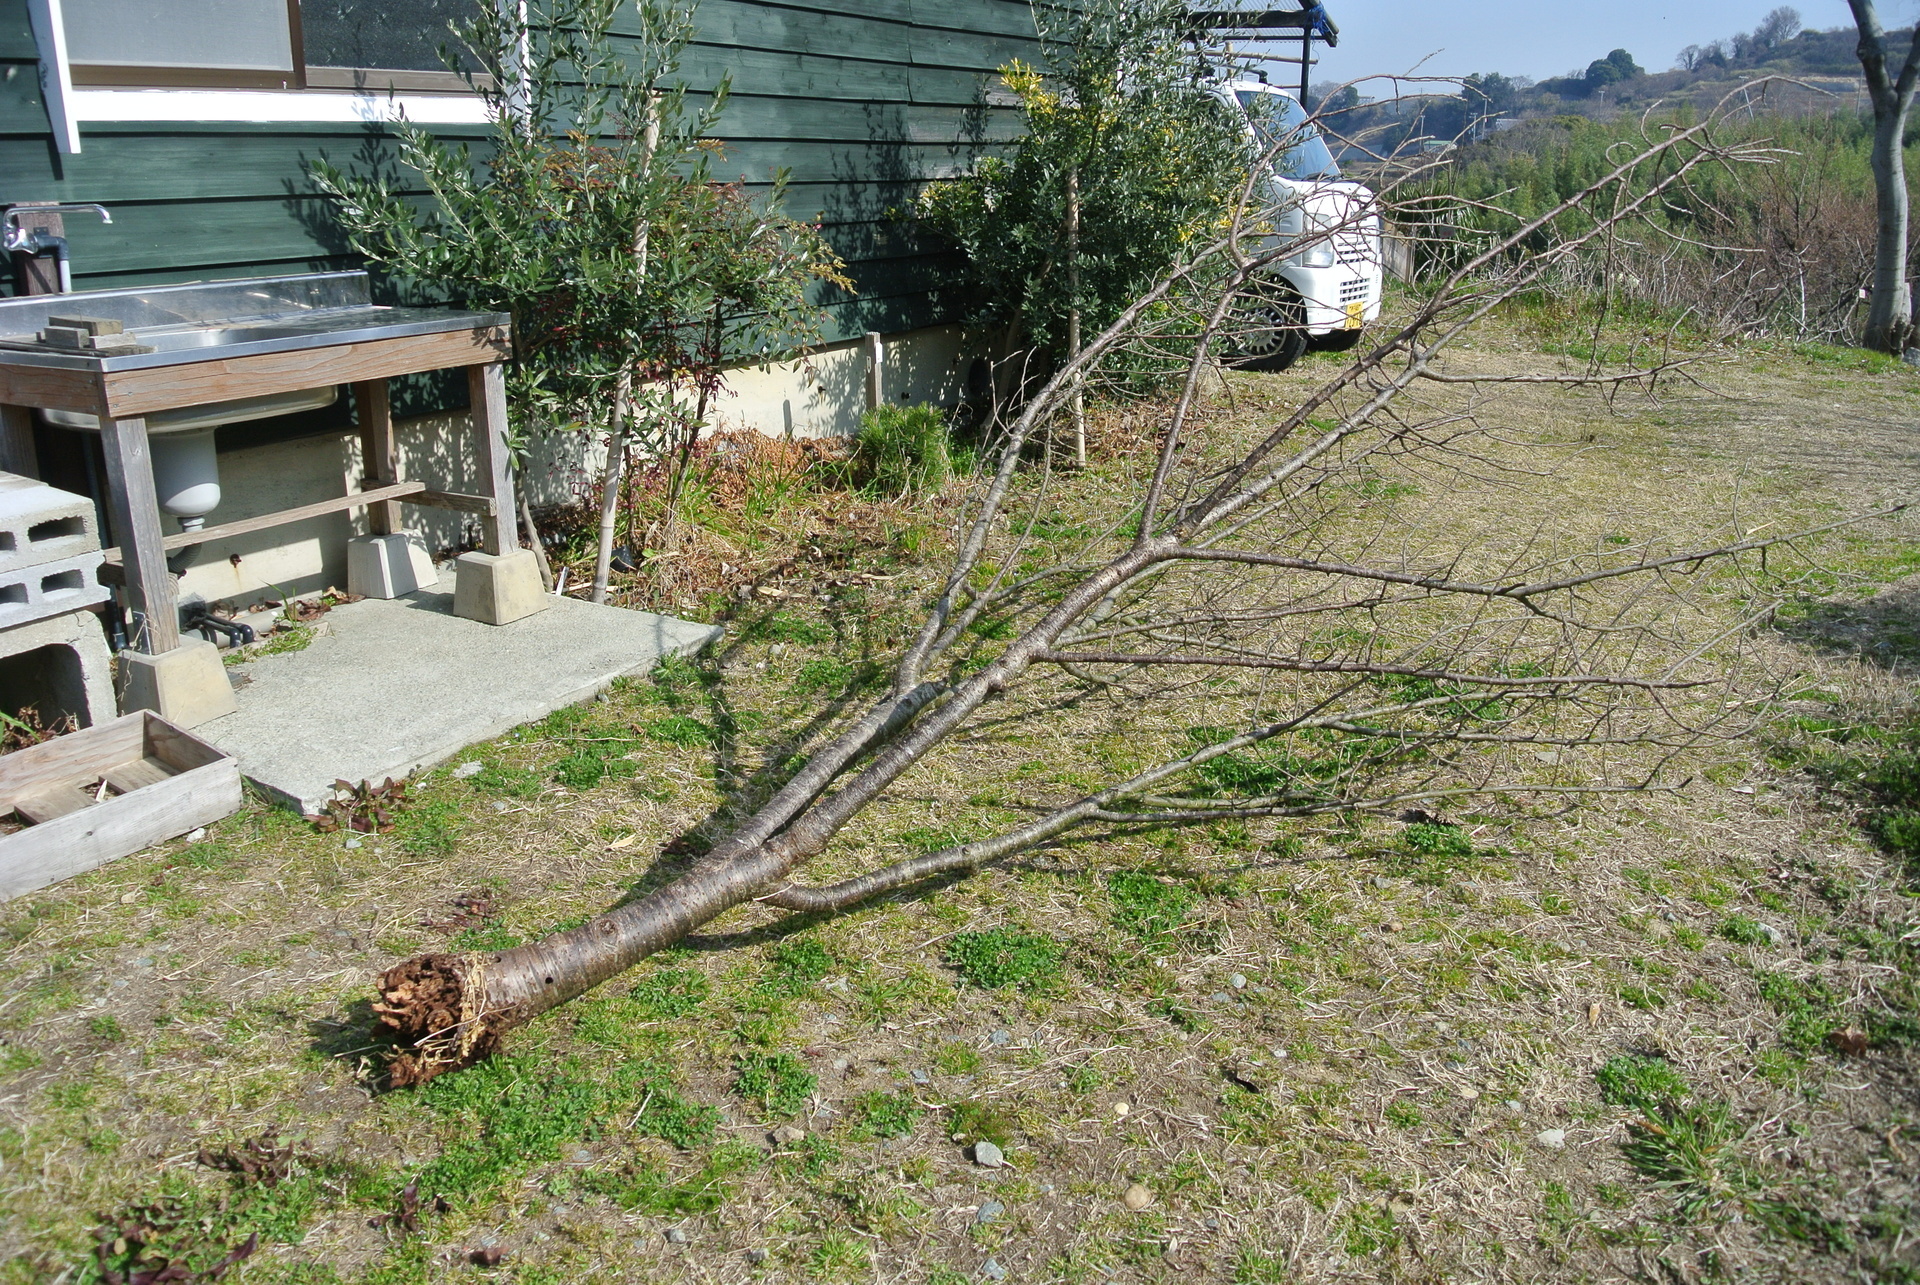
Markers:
(1777, 69)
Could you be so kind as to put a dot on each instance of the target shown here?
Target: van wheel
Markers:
(1337, 340)
(1271, 331)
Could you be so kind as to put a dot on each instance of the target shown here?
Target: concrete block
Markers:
(59, 666)
(386, 566)
(43, 589)
(40, 524)
(498, 589)
(186, 686)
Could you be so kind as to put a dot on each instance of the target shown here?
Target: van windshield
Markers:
(1278, 116)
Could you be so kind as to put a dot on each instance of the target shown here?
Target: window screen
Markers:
(241, 35)
(392, 35)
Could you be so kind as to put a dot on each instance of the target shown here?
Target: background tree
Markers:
(1342, 663)
(592, 218)
(1120, 134)
(1890, 309)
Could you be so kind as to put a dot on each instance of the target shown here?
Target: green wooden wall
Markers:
(862, 101)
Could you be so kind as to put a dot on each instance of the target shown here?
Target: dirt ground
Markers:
(1301, 1053)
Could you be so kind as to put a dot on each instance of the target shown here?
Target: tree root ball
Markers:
(432, 1006)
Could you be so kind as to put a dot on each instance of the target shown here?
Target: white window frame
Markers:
(68, 106)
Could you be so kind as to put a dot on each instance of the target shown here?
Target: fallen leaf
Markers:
(1851, 1040)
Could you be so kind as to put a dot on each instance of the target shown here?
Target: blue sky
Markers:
(1542, 38)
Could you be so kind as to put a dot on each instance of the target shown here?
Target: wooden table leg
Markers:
(377, 452)
(17, 453)
(136, 517)
(487, 388)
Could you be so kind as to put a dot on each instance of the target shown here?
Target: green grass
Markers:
(796, 967)
(778, 1082)
(1148, 908)
(884, 1115)
(902, 450)
(1003, 957)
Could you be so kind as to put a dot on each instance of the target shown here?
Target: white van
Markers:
(1324, 294)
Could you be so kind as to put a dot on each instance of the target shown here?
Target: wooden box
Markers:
(93, 796)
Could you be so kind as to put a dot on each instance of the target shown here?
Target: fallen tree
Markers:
(1362, 674)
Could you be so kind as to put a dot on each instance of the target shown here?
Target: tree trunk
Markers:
(1073, 316)
(1889, 312)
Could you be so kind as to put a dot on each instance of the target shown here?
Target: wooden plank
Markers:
(54, 801)
(377, 454)
(487, 394)
(151, 604)
(130, 776)
(182, 751)
(481, 504)
(17, 453)
(81, 841)
(285, 517)
(43, 386)
(70, 757)
(135, 392)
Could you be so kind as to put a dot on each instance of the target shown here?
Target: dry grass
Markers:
(1401, 1086)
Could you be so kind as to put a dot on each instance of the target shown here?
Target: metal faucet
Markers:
(38, 240)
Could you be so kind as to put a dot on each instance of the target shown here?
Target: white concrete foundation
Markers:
(386, 566)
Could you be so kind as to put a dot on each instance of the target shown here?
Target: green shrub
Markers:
(1005, 957)
(885, 1115)
(902, 450)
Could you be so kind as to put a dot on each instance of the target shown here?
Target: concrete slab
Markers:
(401, 684)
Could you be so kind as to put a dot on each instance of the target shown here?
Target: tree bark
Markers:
(1889, 325)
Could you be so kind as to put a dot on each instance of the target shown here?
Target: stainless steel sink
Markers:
(218, 320)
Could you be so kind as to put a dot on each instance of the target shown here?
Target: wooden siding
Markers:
(861, 101)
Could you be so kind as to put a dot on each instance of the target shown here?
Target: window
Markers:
(263, 44)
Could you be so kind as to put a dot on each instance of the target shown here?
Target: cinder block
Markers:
(59, 666)
(498, 589)
(39, 523)
(386, 566)
(186, 686)
(43, 589)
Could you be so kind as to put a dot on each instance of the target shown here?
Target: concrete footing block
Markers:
(59, 666)
(386, 566)
(497, 589)
(186, 686)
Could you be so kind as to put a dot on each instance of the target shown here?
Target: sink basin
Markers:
(182, 339)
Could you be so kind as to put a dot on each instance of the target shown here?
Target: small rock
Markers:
(992, 1270)
(1911, 356)
(1121, 1108)
(580, 1155)
(1552, 1139)
(1469, 1093)
(788, 1135)
(987, 1155)
(756, 1255)
(352, 841)
(1211, 1224)
(1219, 997)
(988, 1211)
(1000, 1037)
(472, 767)
(1773, 935)
(1392, 926)
(1238, 981)
(1046, 1189)
(196, 834)
(841, 1063)
(1136, 1197)
(1513, 1105)
(675, 1236)
(501, 805)
(921, 1077)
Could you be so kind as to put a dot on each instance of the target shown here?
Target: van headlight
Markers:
(1317, 256)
